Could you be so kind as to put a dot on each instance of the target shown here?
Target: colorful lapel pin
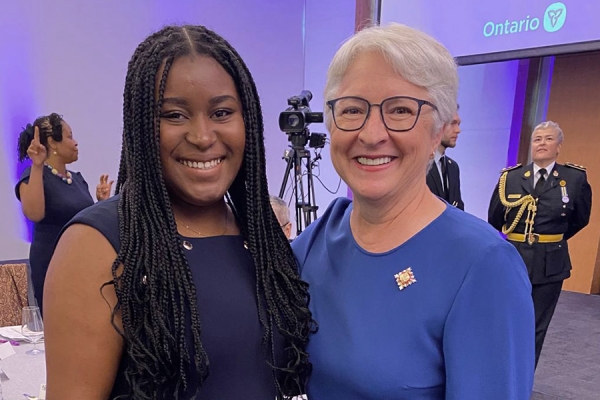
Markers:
(405, 278)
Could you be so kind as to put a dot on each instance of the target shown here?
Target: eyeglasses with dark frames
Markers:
(398, 113)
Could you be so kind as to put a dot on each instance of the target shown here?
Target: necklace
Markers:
(203, 235)
(67, 178)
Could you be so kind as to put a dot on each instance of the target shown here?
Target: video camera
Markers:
(295, 120)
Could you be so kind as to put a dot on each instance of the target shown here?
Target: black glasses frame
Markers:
(420, 102)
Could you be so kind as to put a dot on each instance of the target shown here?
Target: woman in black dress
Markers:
(182, 285)
(50, 194)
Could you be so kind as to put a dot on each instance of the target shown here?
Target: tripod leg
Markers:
(286, 175)
(307, 208)
(299, 189)
(305, 202)
(312, 202)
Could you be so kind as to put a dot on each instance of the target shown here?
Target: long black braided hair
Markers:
(155, 291)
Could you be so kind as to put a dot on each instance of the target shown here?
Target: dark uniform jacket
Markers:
(563, 207)
(434, 181)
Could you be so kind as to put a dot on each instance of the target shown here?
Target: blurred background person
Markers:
(539, 207)
(182, 285)
(443, 178)
(50, 194)
(282, 212)
(414, 298)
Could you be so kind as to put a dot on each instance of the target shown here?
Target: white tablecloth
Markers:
(26, 373)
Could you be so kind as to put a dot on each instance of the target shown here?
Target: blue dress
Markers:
(62, 202)
(463, 330)
(224, 276)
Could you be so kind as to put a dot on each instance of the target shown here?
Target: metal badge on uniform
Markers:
(555, 173)
(405, 278)
(527, 174)
(563, 190)
(515, 196)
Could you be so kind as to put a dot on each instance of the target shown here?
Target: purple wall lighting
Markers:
(71, 57)
(17, 91)
(518, 109)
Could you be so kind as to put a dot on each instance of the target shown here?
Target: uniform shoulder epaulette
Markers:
(579, 167)
(510, 168)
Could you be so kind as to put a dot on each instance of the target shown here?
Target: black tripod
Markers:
(306, 208)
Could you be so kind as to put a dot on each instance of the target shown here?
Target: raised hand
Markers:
(104, 187)
(36, 151)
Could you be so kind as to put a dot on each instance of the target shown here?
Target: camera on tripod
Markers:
(295, 120)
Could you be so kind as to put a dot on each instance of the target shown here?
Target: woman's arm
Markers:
(32, 194)
(83, 349)
(489, 335)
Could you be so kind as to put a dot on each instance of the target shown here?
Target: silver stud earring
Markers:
(54, 152)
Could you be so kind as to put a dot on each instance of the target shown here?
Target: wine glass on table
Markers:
(32, 328)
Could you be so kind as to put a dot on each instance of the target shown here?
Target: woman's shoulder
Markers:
(24, 178)
(332, 218)
(464, 226)
(78, 177)
(76, 173)
(102, 216)
(103, 209)
(335, 212)
(475, 243)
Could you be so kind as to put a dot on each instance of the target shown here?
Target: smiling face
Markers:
(544, 146)
(202, 133)
(374, 162)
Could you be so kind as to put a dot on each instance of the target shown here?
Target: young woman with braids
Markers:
(51, 195)
(167, 290)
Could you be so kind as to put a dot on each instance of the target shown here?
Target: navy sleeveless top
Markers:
(61, 203)
(224, 276)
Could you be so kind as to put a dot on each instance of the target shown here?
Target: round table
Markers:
(26, 373)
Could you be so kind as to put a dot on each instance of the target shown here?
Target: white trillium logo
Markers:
(555, 17)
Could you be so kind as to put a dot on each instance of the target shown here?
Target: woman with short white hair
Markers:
(414, 298)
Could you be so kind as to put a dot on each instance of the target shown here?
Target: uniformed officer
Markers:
(539, 207)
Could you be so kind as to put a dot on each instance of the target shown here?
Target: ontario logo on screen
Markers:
(553, 20)
(555, 17)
